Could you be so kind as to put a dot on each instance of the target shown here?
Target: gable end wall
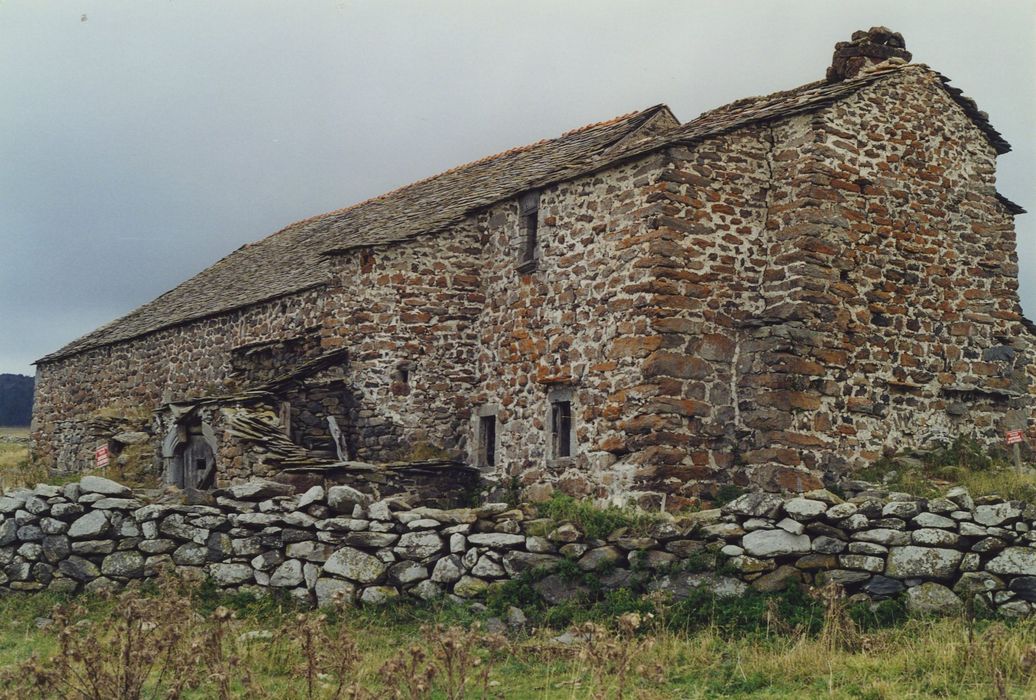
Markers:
(900, 320)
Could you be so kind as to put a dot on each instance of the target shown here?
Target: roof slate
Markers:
(295, 258)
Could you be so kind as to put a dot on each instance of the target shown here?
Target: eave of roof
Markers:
(980, 118)
(1012, 208)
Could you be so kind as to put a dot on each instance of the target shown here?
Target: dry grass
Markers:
(15, 457)
(15, 467)
(961, 463)
(133, 467)
(167, 644)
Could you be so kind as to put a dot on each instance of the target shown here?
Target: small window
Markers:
(487, 441)
(529, 221)
(366, 260)
(400, 380)
(561, 428)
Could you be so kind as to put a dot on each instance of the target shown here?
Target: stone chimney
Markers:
(867, 48)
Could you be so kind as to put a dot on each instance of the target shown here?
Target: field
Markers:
(171, 639)
(14, 458)
(13, 454)
(242, 648)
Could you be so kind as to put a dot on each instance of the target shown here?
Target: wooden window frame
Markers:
(529, 224)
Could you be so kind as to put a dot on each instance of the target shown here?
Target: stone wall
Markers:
(711, 255)
(405, 314)
(835, 286)
(135, 377)
(577, 323)
(891, 279)
(333, 543)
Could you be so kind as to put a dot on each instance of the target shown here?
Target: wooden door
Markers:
(196, 464)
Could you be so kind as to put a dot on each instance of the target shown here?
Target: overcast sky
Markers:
(141, 141)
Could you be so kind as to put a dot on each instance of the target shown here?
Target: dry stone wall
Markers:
(335, 545)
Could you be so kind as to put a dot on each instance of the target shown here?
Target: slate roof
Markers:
(295, 258)
(292, 260)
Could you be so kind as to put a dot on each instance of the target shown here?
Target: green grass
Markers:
(961, 463)
(595, 521)
(782, 653)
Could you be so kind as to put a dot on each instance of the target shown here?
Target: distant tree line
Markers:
(16, 399)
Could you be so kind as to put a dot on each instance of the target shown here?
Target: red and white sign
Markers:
(102, 456)
(1014, 436)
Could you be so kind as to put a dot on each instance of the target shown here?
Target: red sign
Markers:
(1014, 436)
(103, 456)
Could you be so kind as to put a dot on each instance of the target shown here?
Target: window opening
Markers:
(400, 380)
(285, 418)
(529, 216)
(487, 440)
(561, 427)
(366, 261)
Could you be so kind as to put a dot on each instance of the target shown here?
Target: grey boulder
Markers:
(105, 487)
(775, 543)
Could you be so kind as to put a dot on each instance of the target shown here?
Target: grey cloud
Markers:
(140, 146)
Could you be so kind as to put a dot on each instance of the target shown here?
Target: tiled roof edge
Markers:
(980, 118)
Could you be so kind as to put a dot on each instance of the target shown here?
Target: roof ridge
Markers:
(615, 120)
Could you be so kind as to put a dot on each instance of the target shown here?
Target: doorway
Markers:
(194, 464)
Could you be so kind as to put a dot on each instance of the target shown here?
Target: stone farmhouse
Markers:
(779, 290)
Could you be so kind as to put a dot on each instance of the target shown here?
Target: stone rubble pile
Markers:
(332, 544)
